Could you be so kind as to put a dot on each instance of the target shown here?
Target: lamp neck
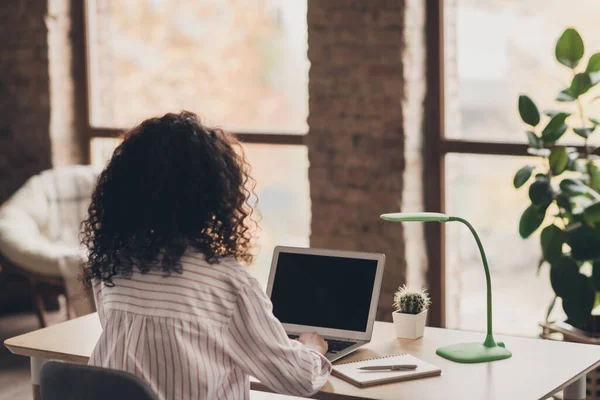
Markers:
(489, 340)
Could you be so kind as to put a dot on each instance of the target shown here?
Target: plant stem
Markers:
(581, 113)
(585, 144)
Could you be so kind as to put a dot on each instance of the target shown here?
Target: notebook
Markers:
(350, 372)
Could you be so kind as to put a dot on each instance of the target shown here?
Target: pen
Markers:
(400, 367)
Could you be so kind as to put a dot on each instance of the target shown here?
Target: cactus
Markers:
(410, 301)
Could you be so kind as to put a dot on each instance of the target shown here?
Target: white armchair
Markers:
(39, 232)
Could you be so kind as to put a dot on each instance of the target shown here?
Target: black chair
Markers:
(64, 381)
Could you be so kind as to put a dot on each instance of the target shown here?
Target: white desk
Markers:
(537, 370)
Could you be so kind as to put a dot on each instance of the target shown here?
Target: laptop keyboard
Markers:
(335, 346)
(338, 345)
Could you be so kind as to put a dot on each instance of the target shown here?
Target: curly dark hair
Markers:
(172, 184)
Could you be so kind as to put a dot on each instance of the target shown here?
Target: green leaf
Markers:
(563, 272)
(563, 202)
(531, 219)
(522, 176)
(591, 214)
(579, 306)
(558, 159)
(573, 187)
(552, 239)
(584, 132)
(528, 111)
(541, 193)
(595, 175)
(584, 242)
(593, 63)
(555, 128)
(569, 48)
(580, 84)
(594, 121)
(565, 96)
(596, 275)
(534, 140)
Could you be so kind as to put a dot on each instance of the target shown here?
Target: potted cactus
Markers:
(411, 312)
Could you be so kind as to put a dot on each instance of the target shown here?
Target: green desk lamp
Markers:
(475, 352)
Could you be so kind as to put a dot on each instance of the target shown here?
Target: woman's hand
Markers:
(313, 341)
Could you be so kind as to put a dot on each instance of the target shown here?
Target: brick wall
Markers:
(38, 125)
(38, 122)
(412, 109)
(65, 120)
(24, 93)
(356, 134)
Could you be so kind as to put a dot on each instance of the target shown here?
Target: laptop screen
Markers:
(323, 291)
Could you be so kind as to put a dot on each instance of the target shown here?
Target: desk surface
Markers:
(537, 369)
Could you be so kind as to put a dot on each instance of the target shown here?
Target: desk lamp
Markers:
(474, 352)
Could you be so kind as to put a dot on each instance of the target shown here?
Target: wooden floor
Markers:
(14, 370)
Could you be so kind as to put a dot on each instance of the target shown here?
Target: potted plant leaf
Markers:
(411, 312)
(564, 186)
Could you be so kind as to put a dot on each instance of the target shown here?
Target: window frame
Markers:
(83, 108)
(435, 148)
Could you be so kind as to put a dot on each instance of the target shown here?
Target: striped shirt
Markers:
(200, 334)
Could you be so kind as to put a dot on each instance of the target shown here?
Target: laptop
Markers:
(330, 292)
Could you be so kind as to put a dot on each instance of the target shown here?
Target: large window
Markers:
(240, 65)
(484, 54)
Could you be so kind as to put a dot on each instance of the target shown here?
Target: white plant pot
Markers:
(409, 326)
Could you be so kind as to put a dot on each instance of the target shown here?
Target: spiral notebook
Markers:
(351, 373)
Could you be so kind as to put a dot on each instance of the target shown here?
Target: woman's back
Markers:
(169, 220)
(199, 334)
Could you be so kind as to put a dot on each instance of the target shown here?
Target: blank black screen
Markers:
(323, 291)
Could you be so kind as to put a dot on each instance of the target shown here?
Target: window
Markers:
(479, 188)
(495, 50)
(242, 66)
(483, 54)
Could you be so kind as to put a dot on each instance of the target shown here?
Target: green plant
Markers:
(410, 301)
(564, 191)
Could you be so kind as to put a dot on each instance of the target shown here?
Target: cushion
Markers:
(39, 224)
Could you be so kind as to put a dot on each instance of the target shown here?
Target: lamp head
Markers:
(415, 217)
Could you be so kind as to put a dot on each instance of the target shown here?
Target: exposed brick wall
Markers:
(24, 93)
(412, 110)
(38, 123)
(24, 115)
(356, 136)
(65, 122)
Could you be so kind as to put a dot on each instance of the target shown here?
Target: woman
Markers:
(168, 227)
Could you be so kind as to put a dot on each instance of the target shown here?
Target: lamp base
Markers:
(473, 352)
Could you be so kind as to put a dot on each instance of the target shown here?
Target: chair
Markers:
(39, 232)
(65, 381)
